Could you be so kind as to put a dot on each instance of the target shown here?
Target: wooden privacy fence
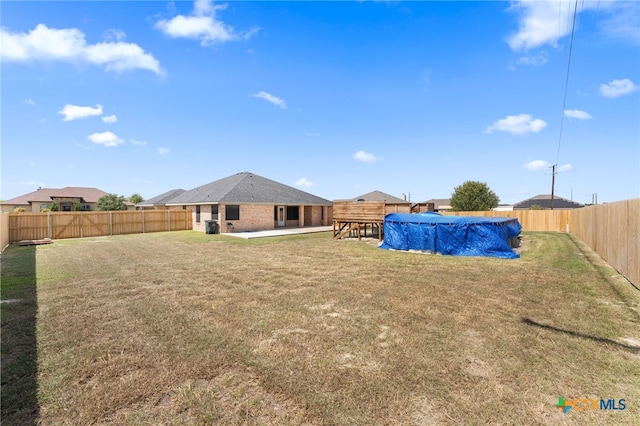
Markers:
(531, 220)
(59, 225)
(4, 230)
(613, 231)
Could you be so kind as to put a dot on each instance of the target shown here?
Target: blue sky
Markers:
(335, 98)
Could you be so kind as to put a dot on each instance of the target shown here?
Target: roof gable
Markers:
(247, 188)
(544, 201)
(380, 196)
(162, 199)
(440, 202)
(46, 195)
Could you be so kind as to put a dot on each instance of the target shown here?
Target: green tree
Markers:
(77, 206)
(136, 198)
(53, 207)
(473, 196)
(111, 202)
(536, 207)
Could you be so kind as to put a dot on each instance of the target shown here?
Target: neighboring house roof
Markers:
(380, 196)
(440, 203)
(247, 188)
(544, 201)
(162, 199)
(46, 195)
(503, 208)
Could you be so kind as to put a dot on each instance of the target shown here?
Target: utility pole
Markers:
(553, 183)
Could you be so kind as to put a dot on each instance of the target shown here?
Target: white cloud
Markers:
(164, 151)
(115, 34)
(565, 168)
(73, 112)
(537, 165)
(621, 20)
(270, 98)
(617, 88)
(109, 118)
(517, 125)
(137, 142)
(105, 138)
(304, 182)
(365, 157)
(577, 114)
(28, 102)
(541, 165)
(50, 44)
(545, 22)
(539, 25)
(536, 61)
(202, 25)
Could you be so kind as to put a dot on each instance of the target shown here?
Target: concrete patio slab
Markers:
(279, 232)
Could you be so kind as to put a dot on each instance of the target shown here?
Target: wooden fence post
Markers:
(142, 211)
(110, 222)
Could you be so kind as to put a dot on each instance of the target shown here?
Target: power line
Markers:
(524, 26)
(564, 101)
(566, 83)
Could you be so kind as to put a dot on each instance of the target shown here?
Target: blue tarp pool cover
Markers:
(452, 235)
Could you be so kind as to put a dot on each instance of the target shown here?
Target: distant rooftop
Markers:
(380, 196)
(544, 201)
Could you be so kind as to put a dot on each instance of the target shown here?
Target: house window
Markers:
(197, 214)
(85, 208)
(232, 212)
(214, 212)
(292, 212)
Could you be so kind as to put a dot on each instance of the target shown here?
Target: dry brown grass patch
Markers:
(185, 328)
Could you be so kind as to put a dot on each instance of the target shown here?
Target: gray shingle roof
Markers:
(544, 201)
(380, 196)
(247, 188)
(438, 202)
(162, 199)
(89, 195)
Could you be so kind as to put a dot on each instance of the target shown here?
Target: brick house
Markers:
(248, 202)
(65, 198)
(440, 204)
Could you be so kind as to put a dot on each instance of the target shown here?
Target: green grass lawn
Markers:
(188, 328)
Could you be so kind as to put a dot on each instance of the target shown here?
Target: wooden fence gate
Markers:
(59, 225)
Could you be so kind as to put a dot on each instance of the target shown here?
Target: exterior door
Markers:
(281, 215)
